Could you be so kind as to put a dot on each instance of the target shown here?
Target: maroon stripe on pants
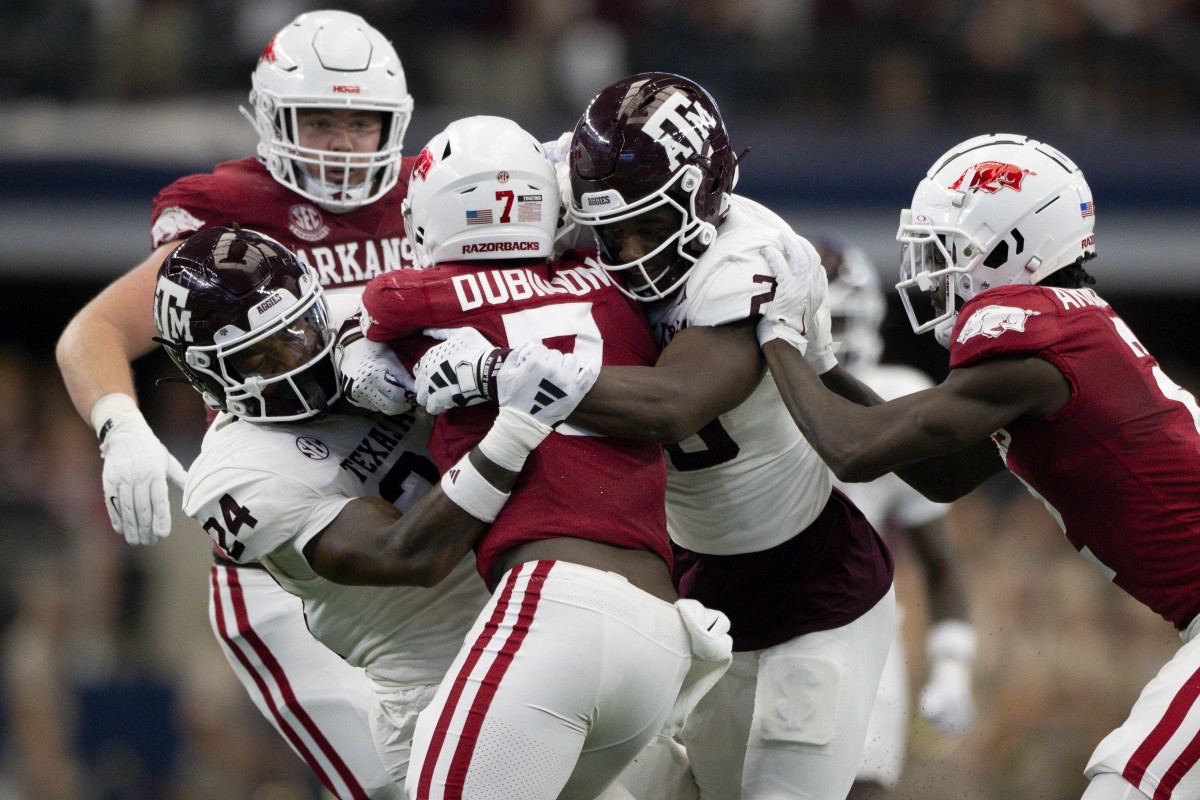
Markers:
(247, 633)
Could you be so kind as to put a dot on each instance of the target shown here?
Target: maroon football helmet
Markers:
(652, 146)
(245, 321)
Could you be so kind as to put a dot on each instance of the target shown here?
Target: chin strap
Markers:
(330, 191)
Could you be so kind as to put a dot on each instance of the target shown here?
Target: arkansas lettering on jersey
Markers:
(1119, 465)
(345, 249)
(575, 484)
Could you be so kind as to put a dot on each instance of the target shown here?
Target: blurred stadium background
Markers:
(111, 686)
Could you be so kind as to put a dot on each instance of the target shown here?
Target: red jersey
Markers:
(575, 484)
(1119, 465)
(345, 249)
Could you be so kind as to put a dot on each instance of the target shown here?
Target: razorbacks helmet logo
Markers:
(992, 321)
(992, 176)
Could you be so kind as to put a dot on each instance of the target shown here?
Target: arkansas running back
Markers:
(573, 481)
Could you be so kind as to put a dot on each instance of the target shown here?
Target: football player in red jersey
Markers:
(1075, 405)
(330, 104)
(583, 655)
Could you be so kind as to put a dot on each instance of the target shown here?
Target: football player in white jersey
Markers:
(330, 105)
(857, 309)
(336, 503)
(758, 529)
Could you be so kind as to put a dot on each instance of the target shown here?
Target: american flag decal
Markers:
(479, 217)
(1087, 209)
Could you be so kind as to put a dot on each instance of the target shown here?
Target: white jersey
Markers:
(263, 491)
(888, 500)
(747, 481)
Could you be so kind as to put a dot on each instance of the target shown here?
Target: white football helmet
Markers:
(482, 189)
(333, 60)
(995, 210)
(856, 302)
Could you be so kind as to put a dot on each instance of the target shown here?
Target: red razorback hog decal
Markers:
(425, 160)
(992, 176)
(268, 53)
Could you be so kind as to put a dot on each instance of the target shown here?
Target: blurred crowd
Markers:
(1093, 62)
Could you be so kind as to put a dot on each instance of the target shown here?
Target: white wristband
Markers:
(951, 638)
(513, 436)
(472, 492)
(109, 406)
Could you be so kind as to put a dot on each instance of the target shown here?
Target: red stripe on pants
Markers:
(461, 760)
(1178, 708)
(247, 633)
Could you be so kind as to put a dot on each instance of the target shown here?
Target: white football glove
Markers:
(799, 312)
(946, 701)
(372, 375)
(458, 372)
(137, 467)
(543, 383)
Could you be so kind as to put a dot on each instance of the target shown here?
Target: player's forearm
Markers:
(910, 436)
(637, 403)
(116, 327)
(833, 425)
(439, 530)
(94, 358)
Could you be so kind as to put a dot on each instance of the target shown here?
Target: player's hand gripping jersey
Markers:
(574, 484)
(346, 250)
(263, 491)
(1127, 427)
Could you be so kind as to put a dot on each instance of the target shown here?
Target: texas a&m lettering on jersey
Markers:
(373, 451)
(344, 249)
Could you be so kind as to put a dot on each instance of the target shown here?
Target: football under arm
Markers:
(703, 372)
(372, 543)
